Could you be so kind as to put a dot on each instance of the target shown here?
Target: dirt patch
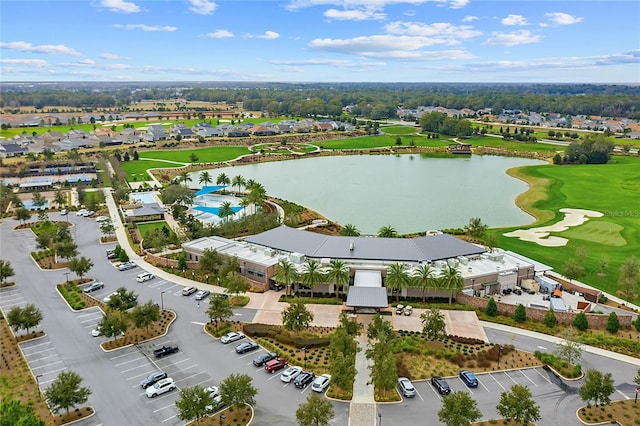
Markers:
(500, 422)
(625, 412)
(7, 284)
(138, 335)
(232, 417)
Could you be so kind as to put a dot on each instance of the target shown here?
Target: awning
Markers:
(557, 293)
(216, 210)
(209, 189)
(367, 297)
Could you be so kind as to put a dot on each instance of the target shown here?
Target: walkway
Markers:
(362, 409)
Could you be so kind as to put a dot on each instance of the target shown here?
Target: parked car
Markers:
(202, 294)
(408, 310)
(469, 378)
(162, 386)
(88, 213)
(93, 287)
(290, 374)
(275, 365)
(165, 350)
(213, 391)
(111, 254)
(102, 218)
(406, 387)
(107, 298)
(441, 385)
(152, 378)
(216, 406)
(399, 309)
(517, 291)
(246, 347)
(95, 332)
(260, 360)
(81, 212)
(320, 383)
(232, 336)
(145, 276)
(277, 287)
(126, 266)
(303, 379)
(64, 212)
(188, 291)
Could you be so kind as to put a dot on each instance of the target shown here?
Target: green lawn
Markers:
(212, 154)
(137, 170)
(367, 142)
(150, 226)
(514, 145)
(606, 188)
(399, 130)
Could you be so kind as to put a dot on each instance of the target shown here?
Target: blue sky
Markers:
(321, 41)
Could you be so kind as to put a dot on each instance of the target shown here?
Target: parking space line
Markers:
(178, 293)
(123, 355)
(534, 383)
(38, 352)
(499, 384)
(172, 417)
(53, 371)
(10, 305)
(434, 391)
(274, 376)
(18, 297)
(191, 366)
(87, 314)
(188, 377)
(131, 360)
(46, 365)
(158, 283)
(542, 375)
(181, 361)
(172, 287)
(419, 395)
(133, 368)
(163, 408)
(485, 388)
(623, 394)
(50, 356)
(166, 394)
(35, 346)
(89, 320)
(137, 376)
(507, 374)
(467, 388)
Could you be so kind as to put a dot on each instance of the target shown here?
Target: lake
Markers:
(409, 192)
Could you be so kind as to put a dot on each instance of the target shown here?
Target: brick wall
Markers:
(596, 321)
(162, 261)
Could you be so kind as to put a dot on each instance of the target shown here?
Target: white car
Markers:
(107, 299)
(160, 387)
(64, 212)
(290, 373)
(213, 391)
(81, 212)
(232, 336)
(102, 219)
(145, 276)
(89, 213)
(95, 332)
(320, 383)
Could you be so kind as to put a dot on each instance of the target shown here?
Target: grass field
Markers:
(514, 146)
(150, 226)
(606, 188)
(213, 154)
(399, 130)
(367, 142)
(137, 170)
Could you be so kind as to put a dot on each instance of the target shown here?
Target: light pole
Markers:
(66, 274)
(304, 348)
(379, 419)
(499, 353)
(38, 384)
(222, 417)
(162, 300)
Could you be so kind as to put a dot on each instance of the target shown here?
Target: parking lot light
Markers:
(499, 353)
(38, 384)
(222, 417)
(379, 419)
(304, 348)
(162, 300)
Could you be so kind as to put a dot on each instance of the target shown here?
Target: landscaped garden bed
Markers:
(46, 259)
(75, 297)
(233, 417)
(625, 412)
(142, 334)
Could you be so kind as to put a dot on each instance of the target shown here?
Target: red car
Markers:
(275, 365)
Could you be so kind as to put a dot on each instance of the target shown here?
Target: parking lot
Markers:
(44, 360)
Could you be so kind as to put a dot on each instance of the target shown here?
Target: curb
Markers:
(93, 413)
(143, 341)
(610, 422)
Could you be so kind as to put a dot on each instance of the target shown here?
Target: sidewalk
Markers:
(362, 409)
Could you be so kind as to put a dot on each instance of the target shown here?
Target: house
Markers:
(324, 127)
(70, 143)
(157, 132)
(238, 133)
(144, 213)
(12, 150)
(209, 132)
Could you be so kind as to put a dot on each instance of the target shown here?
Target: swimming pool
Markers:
(143, 197)
(29, 205)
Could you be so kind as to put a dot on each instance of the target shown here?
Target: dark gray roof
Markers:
(148, 209)
(315, 245)
(367, 297)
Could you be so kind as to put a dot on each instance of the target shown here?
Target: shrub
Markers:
(520, 314)
(550, 319)
(613, 323)
(492, 308)
(580, 321)
(636, 323)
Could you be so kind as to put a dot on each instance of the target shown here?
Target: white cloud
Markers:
(202, 7)
(458, 4)
(378, 4)
(220, 34)
(511, 19)
(87, 62)
(470, 18)
(560, 18)
(120, 6)
(269, 35)
(354, 14)
(109, 56)
(440, 30)
(40, 63)
(144, 27)
(48, 49)
(338, 63)
(512, 39)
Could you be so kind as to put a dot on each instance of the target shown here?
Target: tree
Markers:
(423, 279)
(581, 322)
(235, 283)
(193, 402)
(60, 198)
(205, 177)
(451, 280)
(550, 319)
(23, 215)
(572, 270)
(123, 300)
(38, 200)
(636, 379)
(26, 318)
(613, 323)
(569, 349)
(145, 315)
(349, 230)
(65, 392)
(177, 195)
(107, 227)
(219, 309)
(597, 387)
(315, 411)
(387, 231)
(520, 314)
(80, 266)
(184, 178)
(238, 181)
(312, 274)
(339, 274)
(222, 179)
(433, 324)
(14, 318)
(476, 228)
(286, 274)
(66, 249)
(238, 390)
(459, 409)
(517, 405)
(296, 317)
(6, 270)
(182, 261)
(492, 308)
(629, 278)
(209, 261)
(225, 211)
(113, 324)
(14, 413)
(397, 278)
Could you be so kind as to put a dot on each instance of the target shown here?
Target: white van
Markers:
(145, 276)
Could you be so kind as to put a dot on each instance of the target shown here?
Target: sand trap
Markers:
(540, 236)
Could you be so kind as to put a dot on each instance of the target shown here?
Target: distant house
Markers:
(238, 133)
(324, 127)
(157, 132)
(146, 212)
(70, 143)
(12, 150)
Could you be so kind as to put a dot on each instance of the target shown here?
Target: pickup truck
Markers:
(165, 350)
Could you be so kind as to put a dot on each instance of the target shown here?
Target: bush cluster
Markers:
(285, 337)
(558, 364)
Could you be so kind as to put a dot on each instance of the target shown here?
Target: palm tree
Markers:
(225, 210)
(286, 274)
(222, 179)
(250, 184)
(451, 280)
(339, 274)
(397, 278)
(423, 278)
(245, 202)
(311, 274)
(184, 177)
(205, 177)
(238, 181)
(387, 232)
(349, 230)
(257, 194)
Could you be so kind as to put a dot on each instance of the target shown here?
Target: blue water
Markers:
(30, 206)
(144, 197)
